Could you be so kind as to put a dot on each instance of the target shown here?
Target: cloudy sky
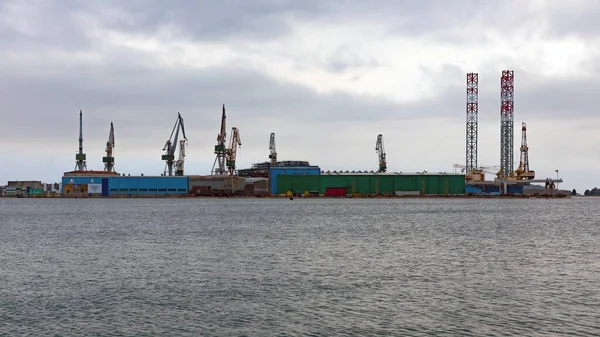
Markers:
(326, 76)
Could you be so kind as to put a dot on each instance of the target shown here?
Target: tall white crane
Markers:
(109, 159)
(179, 164)
(273, 153)
(381, 154)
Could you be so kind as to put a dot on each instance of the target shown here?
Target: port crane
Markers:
(80, 157)
(380, 154)
(273, 153)
(171, 145)
(109, 160)
(523, 172)
(220, 150)
(179, 164)
(234, 143)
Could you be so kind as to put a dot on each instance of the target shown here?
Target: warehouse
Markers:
(107, 185)
(342, 184)
(275, 172)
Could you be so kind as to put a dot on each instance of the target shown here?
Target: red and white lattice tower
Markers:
(507, 124)
(472, 112)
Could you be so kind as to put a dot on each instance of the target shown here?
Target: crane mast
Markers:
(220, 150)
(181, 160)
(171, 145)
(234, 142)
(80, 157)
(381, 154)
(273, 153)
(109, 160)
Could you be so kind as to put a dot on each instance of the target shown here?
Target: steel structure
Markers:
(472, 116)
(220, 149)
(380, 154)
(234, 142)
(180, 163)
(273, 151)
(171, 145)
(109, 159)
(507, 124)
(523, 172)
(80, 164)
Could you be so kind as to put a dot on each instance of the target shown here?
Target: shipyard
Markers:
(301, 178)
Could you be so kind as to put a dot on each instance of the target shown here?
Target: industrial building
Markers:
(277, 172)
(101, 183)
(371, 184)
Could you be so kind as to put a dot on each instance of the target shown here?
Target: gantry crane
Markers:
(523, 172)
(80, 164)
(381, 154)
(273, 153)
(234, 142)
(181, 160)
(220, 150)
(109, 160)
(171, 145)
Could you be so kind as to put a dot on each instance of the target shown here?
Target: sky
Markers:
(325, 76)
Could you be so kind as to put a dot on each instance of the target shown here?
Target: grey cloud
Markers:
(60, 22)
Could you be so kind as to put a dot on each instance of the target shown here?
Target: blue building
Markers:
(107, 185)
(276, 171)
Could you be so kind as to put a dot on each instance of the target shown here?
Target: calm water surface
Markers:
(226, 267)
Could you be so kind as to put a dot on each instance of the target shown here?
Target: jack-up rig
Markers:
(220, 150)
(80, 164)
(380, 154)
(272, 150)
(506, 175)
(109, 159)
(171, 145)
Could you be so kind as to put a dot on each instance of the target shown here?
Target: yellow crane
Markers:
(523, 172)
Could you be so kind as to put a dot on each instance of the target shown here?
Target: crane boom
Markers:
(234, 142)
(109, 159)
(381, 154)
(171, 145)
(273, 151)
